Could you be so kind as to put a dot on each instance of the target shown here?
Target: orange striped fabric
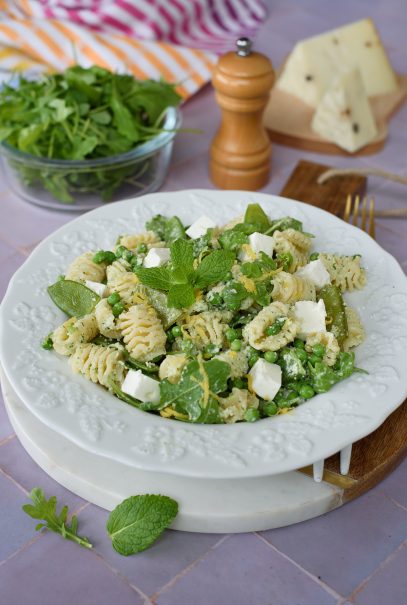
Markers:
(41, 45)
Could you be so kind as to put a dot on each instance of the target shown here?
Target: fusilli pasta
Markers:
(330, 343)
(106, 321)
(255, 332)
(356, 332)
(143, 333)
(171, 367)
(289, 288)
(345, 271)
(233, 408)
(206, 328)
(295, 242)
(98, 364)
(74, 332)
(149, 238)
(237, 360)
(83, 268)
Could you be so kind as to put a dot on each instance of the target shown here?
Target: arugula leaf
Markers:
(256, 217)
(199, 383)
(139, 521)
(214, 268)
(46, 510)
(232, 239)
(281, 224)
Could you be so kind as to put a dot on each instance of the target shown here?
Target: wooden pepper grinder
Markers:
(241, 150)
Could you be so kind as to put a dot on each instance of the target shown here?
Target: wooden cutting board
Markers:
(376, 455)
(288, 121)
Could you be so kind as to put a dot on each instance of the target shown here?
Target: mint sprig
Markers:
(46, 510)
(138, 521)
(180, 277)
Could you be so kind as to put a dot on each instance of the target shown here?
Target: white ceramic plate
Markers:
(95, 420)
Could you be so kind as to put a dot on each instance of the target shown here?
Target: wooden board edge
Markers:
(321, 146)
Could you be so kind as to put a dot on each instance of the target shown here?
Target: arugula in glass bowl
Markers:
(86, 135)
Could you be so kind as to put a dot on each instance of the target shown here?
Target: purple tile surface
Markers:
(51, 571)
(348, 544)
(388, 585)
(153, 568)
(244, 570)
(352, 556)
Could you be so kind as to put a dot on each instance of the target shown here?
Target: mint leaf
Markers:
(182, 257)
(256, 216)
(181, 296)
(156, 277)
(214, 268)
(138, 521)
(46, 510)
(194, 393)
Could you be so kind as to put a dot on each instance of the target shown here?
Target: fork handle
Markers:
(391, 176)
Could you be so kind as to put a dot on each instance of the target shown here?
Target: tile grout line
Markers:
(321, 583)
(393, 500)
(23, 547)
(18, 485)
(186, 569)
(7, 439)
(381, 566)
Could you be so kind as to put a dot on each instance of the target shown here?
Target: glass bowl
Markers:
(77, 185)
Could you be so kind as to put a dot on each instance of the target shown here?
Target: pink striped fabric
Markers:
(205, 24)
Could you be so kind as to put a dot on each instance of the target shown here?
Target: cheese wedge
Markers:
(343, 115)
(316, 61)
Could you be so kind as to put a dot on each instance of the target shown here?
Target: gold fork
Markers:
(354, 209)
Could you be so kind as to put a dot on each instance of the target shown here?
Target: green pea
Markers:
(253, 358)
(306, 391)
(314, 256)
(142, 248)
(276, 327)
(231, 334)
(271, 356)
(298, 343)
(170, 336)
(187, 346)
(113, 298)
(313, 359)
(104, 256)
(301, 354)
(270, 409)
(211, 350)
(236, 345)
(47, 343)
(318, 350)
(117, 309)
(251, 415)
(120, 250)
(176, 331)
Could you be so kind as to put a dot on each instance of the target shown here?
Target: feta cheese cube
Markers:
(100, 289)
(311, 317)
(156, 257)
(261, 243)
(316, 273)
(258, 242)
(200, 227)
(141, 387)
(265, 379)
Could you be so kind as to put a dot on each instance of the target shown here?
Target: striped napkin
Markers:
(173, 39)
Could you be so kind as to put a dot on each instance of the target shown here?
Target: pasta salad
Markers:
(210, 324)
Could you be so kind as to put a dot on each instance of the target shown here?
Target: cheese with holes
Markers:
(316, 61)
(343, 115)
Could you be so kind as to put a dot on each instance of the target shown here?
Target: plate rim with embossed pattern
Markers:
(96, 421)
